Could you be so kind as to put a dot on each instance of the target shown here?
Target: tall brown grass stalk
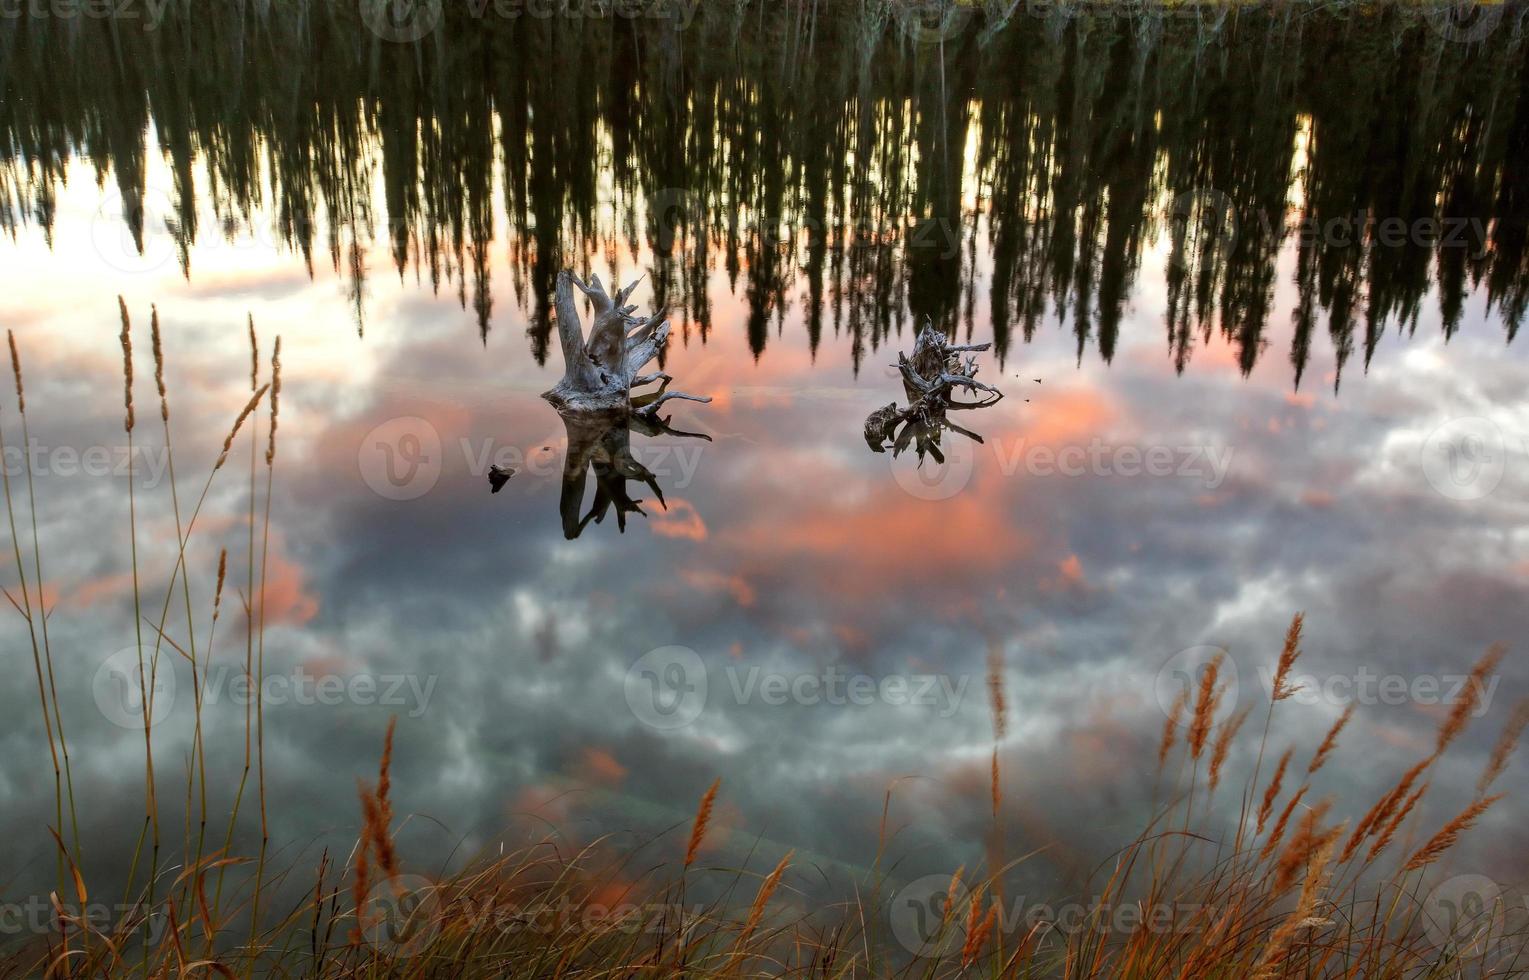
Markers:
(1475, 685)
(145, 672)
(1272, 793)
(702, 819)
(1449, 834)
(1330, 742)
(757, 909)
(1171, 726)
(255, 631)
(53, 722)
(1506, 744)
(1282, 690)
(1224, 738)
(198, 759)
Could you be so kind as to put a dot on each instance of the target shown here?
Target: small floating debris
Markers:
(498, 476)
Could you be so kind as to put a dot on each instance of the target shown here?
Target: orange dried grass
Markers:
(702, 818)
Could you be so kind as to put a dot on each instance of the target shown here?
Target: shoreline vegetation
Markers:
(1294, 885)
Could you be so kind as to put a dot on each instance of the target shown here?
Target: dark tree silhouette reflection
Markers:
(819, 160)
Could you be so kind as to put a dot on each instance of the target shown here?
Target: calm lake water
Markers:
(1251, 281)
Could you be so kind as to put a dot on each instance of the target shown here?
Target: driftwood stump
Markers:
(600, 373)
(596, 401)
(930, 376)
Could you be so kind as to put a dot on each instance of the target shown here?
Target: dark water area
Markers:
(1251, 277)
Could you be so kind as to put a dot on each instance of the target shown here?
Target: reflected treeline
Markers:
(826, 156)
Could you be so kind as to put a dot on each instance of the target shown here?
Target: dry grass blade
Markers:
(270, 451)
(1272, 793)
(762, 898)
(127, 366)
(979, 927)
(1278, 832)
(1506, 744)
(1206, 700)
(1300, 918)
(1389, 831)
(159, 363)
(1471, 696)
(995, 693)
(1223, 745)
(1446, 837)
(21, 397)
(228, 442)
(1325, 750)
(702, 818)
(1171, 726)
(1287, 657)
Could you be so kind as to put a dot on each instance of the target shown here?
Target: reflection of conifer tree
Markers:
(827, 122)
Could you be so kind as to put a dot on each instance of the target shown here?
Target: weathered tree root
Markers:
(598, 407)
(599, 374)
(930, 376)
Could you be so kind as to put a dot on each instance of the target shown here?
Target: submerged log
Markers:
(600, 373)
(930, 378)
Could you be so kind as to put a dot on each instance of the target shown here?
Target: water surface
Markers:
(1251, 281)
